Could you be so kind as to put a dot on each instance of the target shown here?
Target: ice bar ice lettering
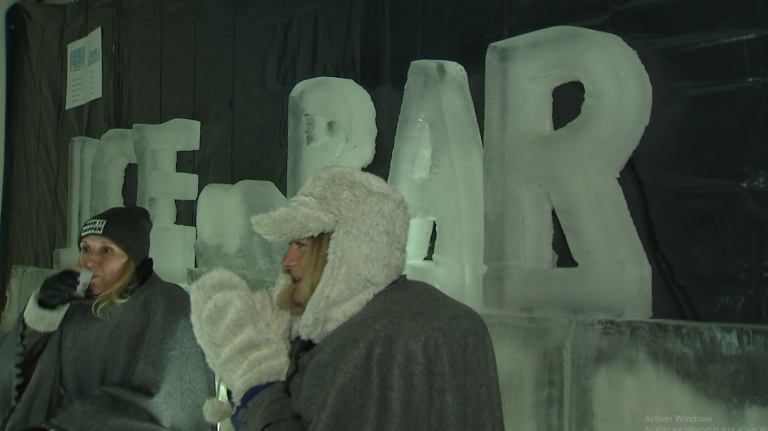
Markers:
(531, 169)
(331, 121)
(115, 152)
(81, 153)
(158, 188)
(225, 237)
(96, 177)
(527, 171)
(437, 163)
(159, 185)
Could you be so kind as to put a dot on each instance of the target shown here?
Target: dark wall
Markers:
(229, 64)
(695, 186)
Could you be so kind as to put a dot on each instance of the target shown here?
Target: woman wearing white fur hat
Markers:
(347, 342)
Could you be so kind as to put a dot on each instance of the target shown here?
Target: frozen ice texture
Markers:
(82, 151)
(24, 281)
(331, 121)
(115, 152)
(225, 236)
(159, 185)
(531, 169)
(589, 374)
(437, 163)
(172, 249)
(172, 246)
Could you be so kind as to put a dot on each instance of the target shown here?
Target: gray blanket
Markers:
(412, 359)
(136, 368)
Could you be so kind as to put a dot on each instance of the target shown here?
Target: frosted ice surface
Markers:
(158, 184)
(82, 151)
(437, 164)
(594, 375)
(531, 169)
(225, 236)
(24, 281)
(172, 247)
(114, 153)
(331, 121)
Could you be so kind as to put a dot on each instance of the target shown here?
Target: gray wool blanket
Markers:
(411, 359)
(135, 368)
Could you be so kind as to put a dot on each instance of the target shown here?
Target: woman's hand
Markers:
(244, 338)
(58, 289)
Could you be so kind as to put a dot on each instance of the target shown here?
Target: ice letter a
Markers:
(437, 164)
(331, 121)
(532, 169)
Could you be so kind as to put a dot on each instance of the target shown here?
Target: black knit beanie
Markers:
(128, 227)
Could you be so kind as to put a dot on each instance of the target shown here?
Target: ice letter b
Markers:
(331, 121)
(532, 169)
(437, 164)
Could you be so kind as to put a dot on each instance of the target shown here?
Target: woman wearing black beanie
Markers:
(120, 355)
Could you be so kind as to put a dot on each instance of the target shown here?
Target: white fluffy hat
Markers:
(368, 220)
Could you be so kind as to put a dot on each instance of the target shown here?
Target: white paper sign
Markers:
(84, 70)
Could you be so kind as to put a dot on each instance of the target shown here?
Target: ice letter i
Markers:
(531, 169)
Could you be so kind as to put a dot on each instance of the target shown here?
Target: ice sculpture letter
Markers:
(532, 169)
(159, 185)
(96, 174)
(114, 154)
(437, 163)
(225, 232)
(331, 121)
(81, 153)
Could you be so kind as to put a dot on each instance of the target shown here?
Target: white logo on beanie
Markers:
(93, 227)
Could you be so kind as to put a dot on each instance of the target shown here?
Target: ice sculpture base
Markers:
(591, 375)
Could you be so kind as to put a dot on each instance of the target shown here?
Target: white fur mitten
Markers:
(243, 336)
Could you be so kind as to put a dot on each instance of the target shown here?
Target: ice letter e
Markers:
(437, 163)
(331, 121)
(172, 246)
(531, 169)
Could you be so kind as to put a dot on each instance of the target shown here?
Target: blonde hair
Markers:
(312, 271)
(117, 292)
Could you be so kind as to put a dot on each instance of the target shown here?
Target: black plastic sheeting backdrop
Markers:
(695, 186)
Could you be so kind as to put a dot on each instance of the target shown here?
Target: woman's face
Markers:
(103, 257)
(294, 258)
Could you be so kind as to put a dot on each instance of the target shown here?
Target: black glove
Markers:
(58, 289)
